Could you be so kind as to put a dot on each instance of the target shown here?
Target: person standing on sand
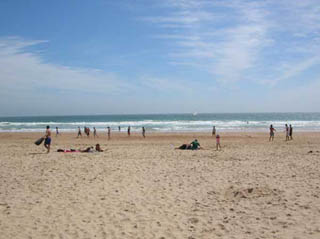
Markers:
(47, 139)
(287, 132)
(290, 132)
(129, 129)
(218, 146)
(94, 132)
(213, 130)
(79, 133)
(143, 132)
(271, 133)
(119, 128)
(109, 132)
(57, 131)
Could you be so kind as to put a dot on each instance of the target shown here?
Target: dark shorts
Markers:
(47, 141)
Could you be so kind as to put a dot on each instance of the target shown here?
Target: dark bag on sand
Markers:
(39, 141)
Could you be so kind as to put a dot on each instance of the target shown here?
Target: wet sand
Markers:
(143, 188)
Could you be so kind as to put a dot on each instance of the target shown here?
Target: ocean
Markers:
(166, 122)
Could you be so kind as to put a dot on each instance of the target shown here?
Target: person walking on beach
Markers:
(271, 133)
(47, 139)
(94, 132)
(109, 132)
(290, 132)
(79, 133)
(143, 132)
(57, 131)
(213, 130)
(129, 129)
(218, 146)
(119, 128)
(287, 132)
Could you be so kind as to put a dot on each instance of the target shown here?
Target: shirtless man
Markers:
(47, 140)
(271, 133)
(143, 132)
(94, 132)
(109, 132)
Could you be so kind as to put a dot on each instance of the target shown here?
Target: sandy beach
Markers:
(143, 188)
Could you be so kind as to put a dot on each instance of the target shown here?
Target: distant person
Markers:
(287, 132)
(290, 132)
(109, 132)
(47, 139)
(143, 132)
(94, 132)
(271, 132)
(129, 131)
(88, 131)
(194, 145)
(98, 148)
(119, 128)
(184, 146)
(57, 131)
(218, 145)
(79, 133)
(91, 149)
(213, 130)
(87, 150)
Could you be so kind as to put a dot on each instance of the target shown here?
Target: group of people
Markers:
(194, 145)
(288, 130)
(87, 132)
(90, 149)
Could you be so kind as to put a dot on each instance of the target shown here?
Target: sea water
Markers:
(166, 122)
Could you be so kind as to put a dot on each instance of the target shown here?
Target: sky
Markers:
(149, 56)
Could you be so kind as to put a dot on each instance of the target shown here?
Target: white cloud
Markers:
(31, 85)
(241, 40)
(28, 83)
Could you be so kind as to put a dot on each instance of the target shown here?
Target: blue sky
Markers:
(148, 56)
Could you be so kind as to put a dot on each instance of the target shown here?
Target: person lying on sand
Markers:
(194, 145)
(87, 150)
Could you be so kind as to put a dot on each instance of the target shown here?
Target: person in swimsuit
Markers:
(47, 139)
(129, 129)
(290, 132)
(143, 132)
(194, 145)
(109, 133)
(271, 133)
(94, 132)
(79, 133)
(57, 131)
(213, 130)
(287, 132)
(218, 146)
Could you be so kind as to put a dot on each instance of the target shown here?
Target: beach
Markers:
(144, 188)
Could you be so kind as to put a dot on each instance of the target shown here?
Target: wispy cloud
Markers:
(31, 84)
(235, 40)
(26, 69)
